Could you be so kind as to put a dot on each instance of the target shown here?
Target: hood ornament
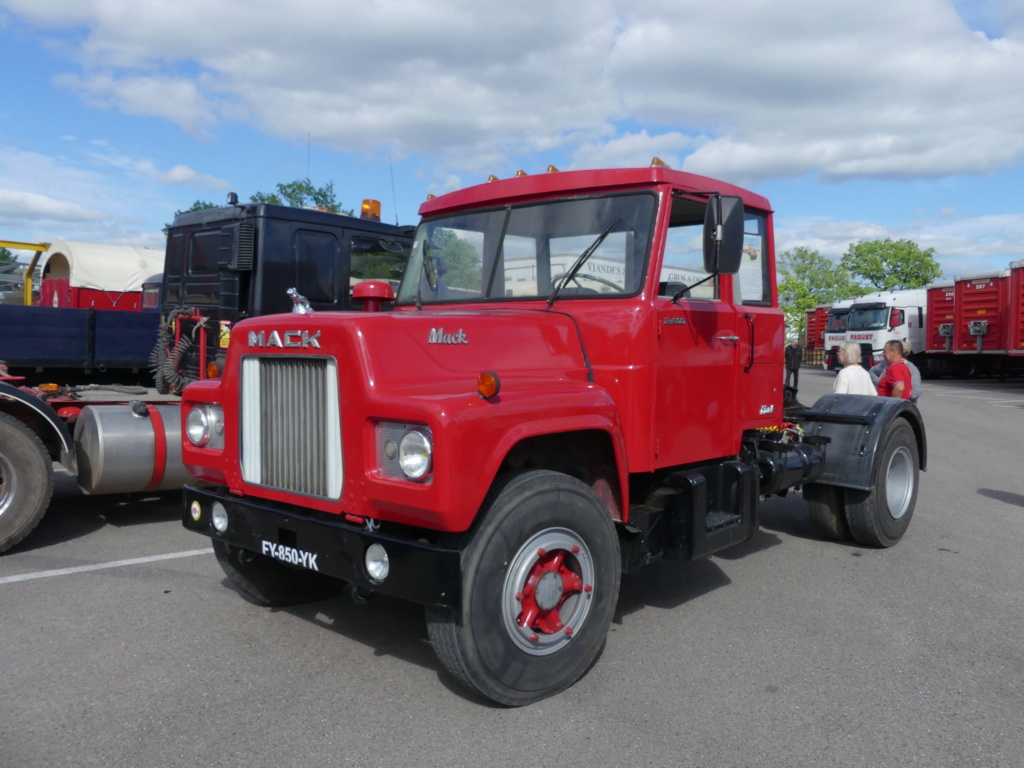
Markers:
(300, 304)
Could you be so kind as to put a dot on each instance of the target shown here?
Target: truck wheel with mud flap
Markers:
(880, 517)
(827, 509)
(26, 481)
(271, 583)
(540, 581)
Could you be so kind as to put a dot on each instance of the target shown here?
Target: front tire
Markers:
(26, 481)
(540, 582)
(271, 583)
(880, 517)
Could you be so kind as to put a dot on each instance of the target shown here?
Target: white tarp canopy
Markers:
(119, 268)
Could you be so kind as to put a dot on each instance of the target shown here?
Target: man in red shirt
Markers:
(895, 382)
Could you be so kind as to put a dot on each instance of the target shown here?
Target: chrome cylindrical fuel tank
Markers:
(129, 448)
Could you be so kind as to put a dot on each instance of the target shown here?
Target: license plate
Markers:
(290, 555)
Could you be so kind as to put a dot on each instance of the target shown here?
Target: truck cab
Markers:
(835, 332)
(877, 318)
(225, 264)
(582, 374)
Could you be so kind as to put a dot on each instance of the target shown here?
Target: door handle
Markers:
(728, 338)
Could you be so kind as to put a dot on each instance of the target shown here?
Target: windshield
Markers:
(837, 323)
(868, 319)
(523, 252)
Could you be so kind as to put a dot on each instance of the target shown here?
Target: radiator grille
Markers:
(291, 425)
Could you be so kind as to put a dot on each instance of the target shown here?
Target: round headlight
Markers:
(197, 426)
(219, 517)
(377, 564)
(414, 454)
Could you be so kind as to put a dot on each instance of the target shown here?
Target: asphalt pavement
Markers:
(121, 644)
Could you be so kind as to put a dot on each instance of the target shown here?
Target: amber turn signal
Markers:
(488, 384)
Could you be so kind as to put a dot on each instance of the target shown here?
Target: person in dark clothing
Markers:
(794, 356)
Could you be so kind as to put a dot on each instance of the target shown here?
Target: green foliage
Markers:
(461, 261)
(891, 265)
(6, 257)
(807, 279)
(297, 194)
(302, 194)
(198, 205)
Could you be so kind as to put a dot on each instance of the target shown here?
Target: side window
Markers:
(316, 266)
(751, 282)
(376, 259)
(202, 258)
(683, 264)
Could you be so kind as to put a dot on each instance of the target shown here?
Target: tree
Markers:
(6, 257)
(198, 205)
(891, 265)
(807, 280)
(297, 194)
(302, 194)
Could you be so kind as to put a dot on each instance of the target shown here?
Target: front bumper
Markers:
(420, 572)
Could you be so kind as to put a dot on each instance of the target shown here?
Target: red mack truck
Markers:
(582, 374)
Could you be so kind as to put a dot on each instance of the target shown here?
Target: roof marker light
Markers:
(657, 162)
(551, 169)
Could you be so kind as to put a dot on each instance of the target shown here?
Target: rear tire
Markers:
(880, 517)
(826, 507)
(271, 583)
(540, 582)
(26, 481)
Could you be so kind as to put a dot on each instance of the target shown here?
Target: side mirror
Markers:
(723, 234)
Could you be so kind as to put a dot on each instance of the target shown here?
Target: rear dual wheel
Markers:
(880, 516)
(540, 582)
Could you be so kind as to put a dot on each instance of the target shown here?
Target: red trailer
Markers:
(982, 312)
(1015, 344)
(816, 320)
(92, 276)
(941, 318)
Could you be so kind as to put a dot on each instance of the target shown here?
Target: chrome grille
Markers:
(291, 424)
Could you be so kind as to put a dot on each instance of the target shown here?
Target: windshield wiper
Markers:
(580, 261)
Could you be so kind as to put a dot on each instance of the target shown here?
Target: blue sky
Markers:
(857, 120)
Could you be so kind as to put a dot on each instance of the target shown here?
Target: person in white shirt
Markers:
(852, 378)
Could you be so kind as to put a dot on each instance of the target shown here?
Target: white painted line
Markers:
(102, 566)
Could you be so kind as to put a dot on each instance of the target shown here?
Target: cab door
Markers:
(698, 347)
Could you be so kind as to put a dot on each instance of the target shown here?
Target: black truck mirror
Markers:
(723, 234)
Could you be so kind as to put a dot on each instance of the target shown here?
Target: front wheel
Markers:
(26, 481)
(540, 582)
(880, 517)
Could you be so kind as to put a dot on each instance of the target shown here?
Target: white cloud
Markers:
(182, 175)
(16, 206)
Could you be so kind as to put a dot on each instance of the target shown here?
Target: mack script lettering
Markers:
(438, 336)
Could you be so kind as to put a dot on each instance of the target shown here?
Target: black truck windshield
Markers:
(523, 252)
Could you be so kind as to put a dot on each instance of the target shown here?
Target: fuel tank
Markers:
(129, 448)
